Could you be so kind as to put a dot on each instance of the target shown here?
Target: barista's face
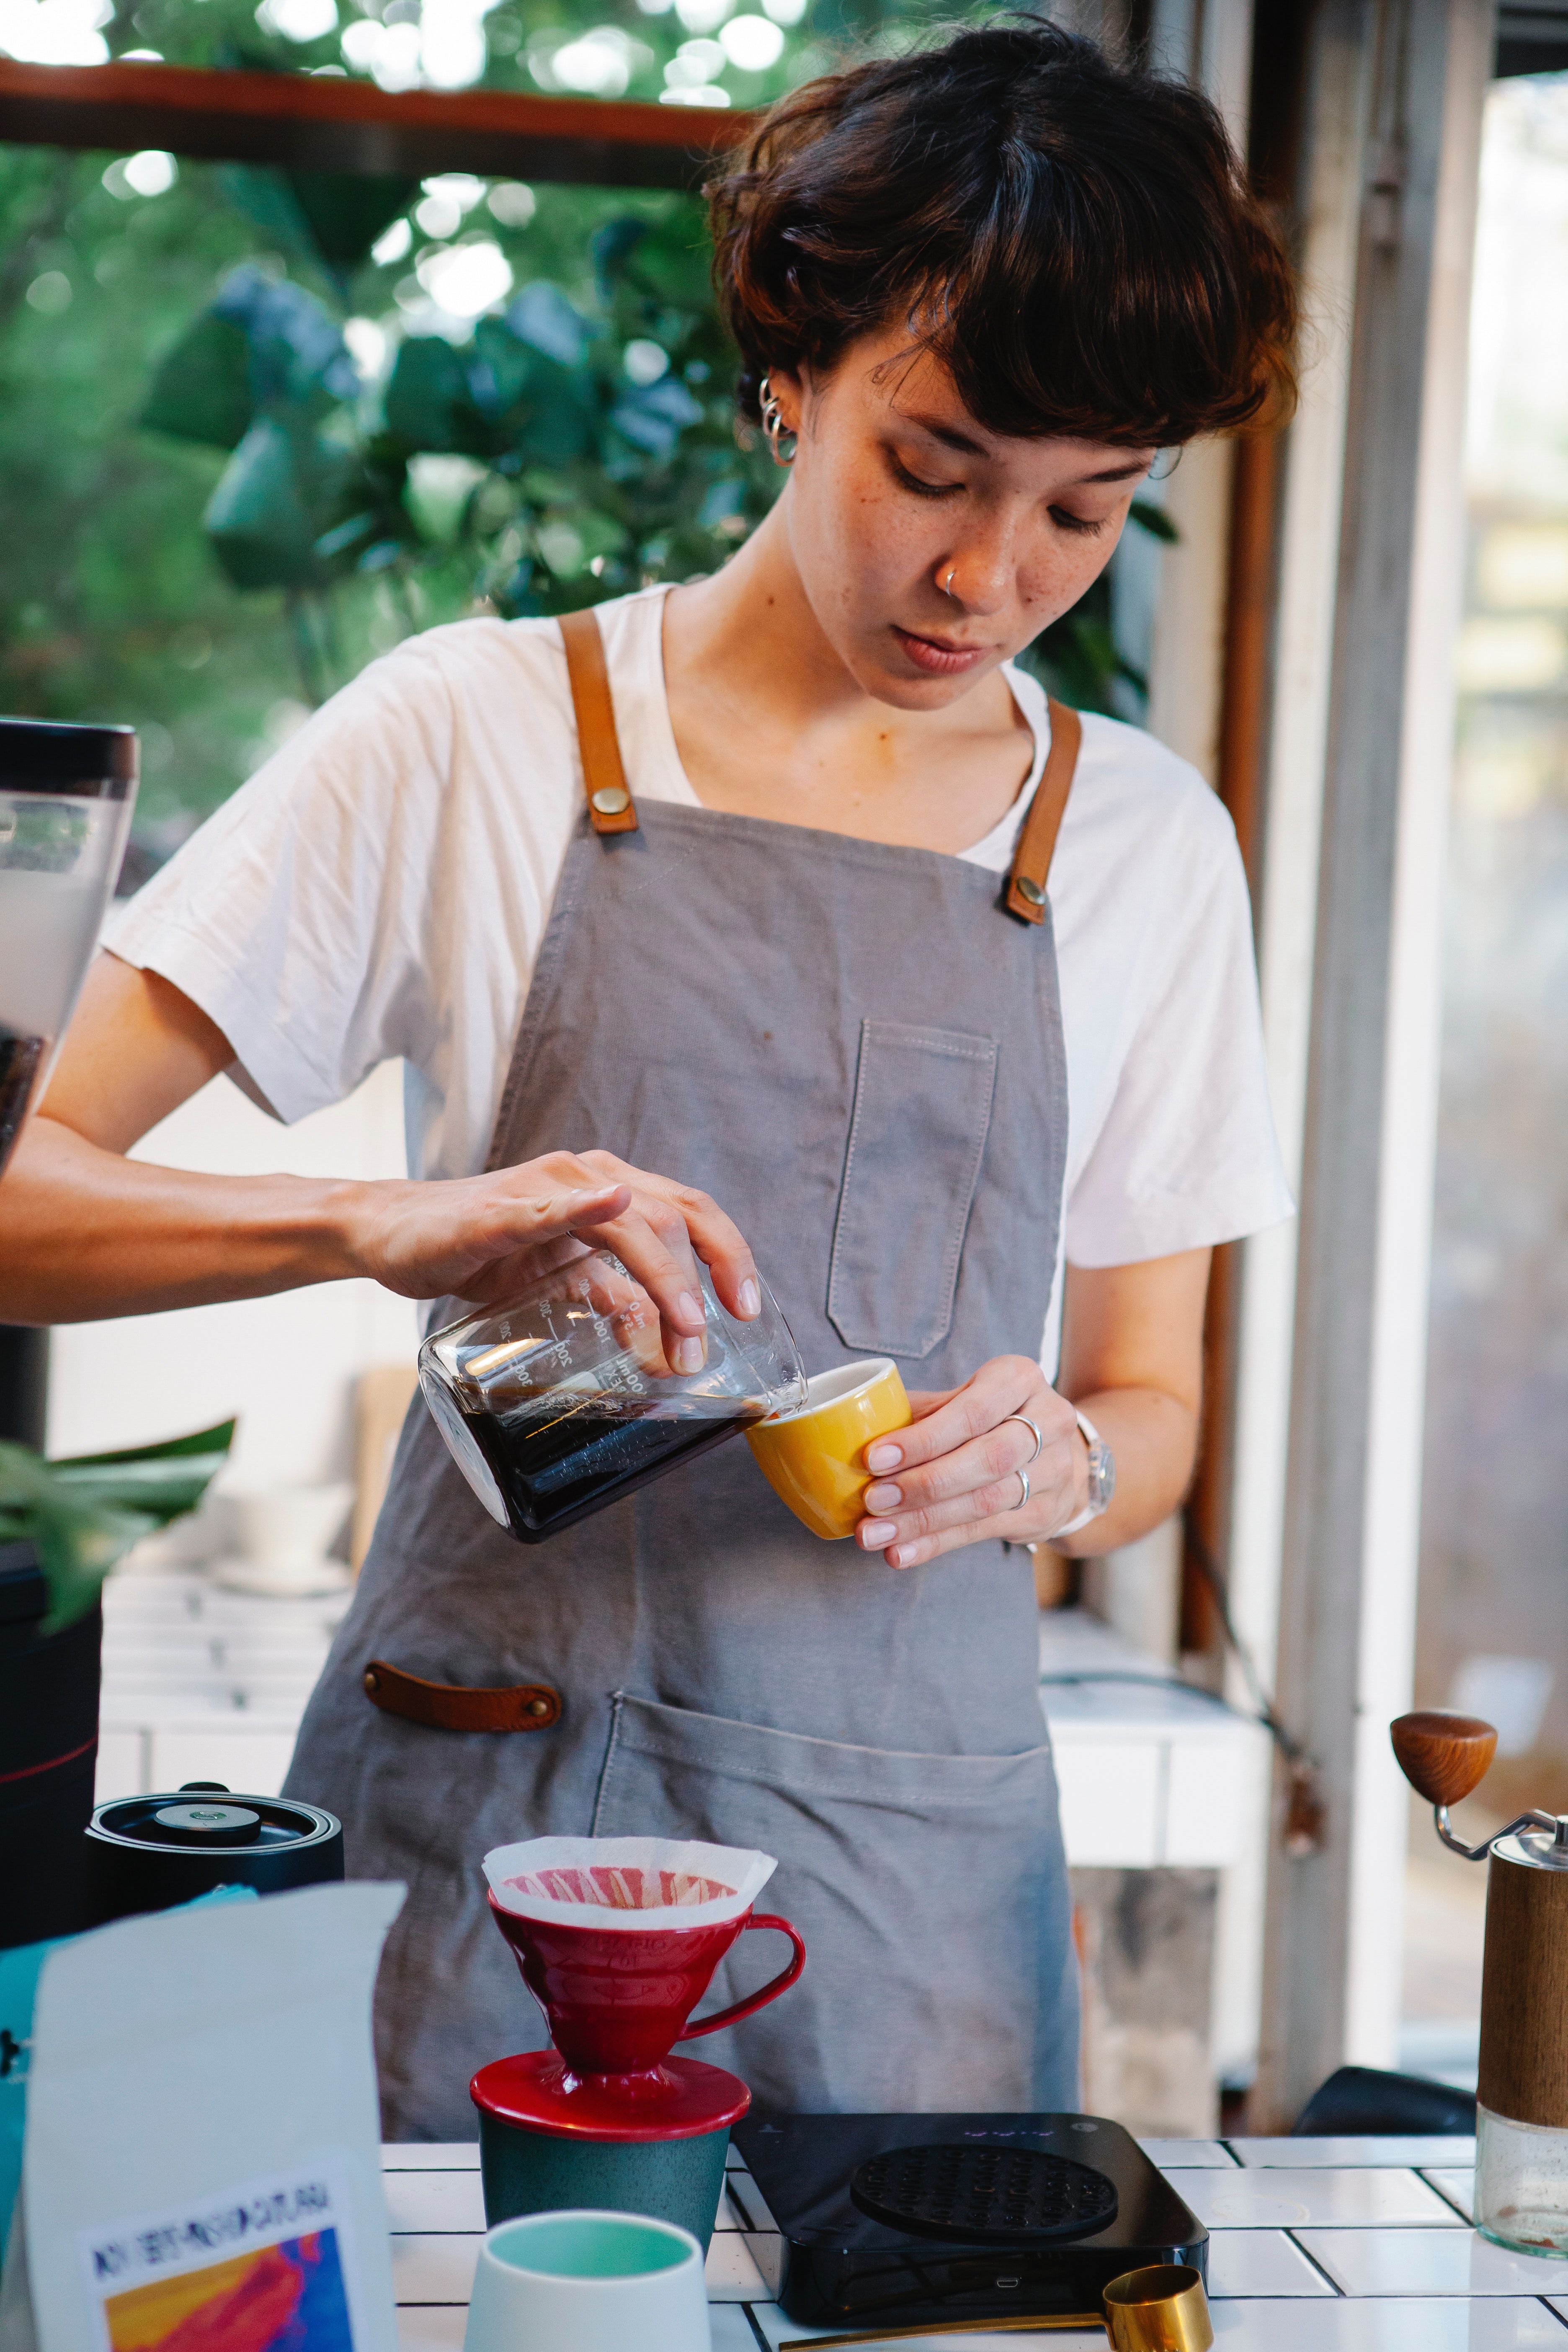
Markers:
(932, 549)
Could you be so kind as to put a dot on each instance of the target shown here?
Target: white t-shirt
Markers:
(382, 885)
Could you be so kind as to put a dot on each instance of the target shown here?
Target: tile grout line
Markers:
(1438, 2191)
(1321, 2268)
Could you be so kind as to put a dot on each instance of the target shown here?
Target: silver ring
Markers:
(1022, 1478)
(1028, 1424)
(947, 583)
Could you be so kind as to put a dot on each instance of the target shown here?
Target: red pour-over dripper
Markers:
(616, 1999)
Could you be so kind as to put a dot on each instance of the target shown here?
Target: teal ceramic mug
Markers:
(588, 2283)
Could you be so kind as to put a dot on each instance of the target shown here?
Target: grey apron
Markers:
(859, 1053)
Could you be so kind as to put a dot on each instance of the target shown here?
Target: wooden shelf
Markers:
(325, 122)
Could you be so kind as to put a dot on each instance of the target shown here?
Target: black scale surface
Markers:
(908, 2219)
(995, 2195)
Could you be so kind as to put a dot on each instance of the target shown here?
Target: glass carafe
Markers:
(562, 1400)
(66, 794)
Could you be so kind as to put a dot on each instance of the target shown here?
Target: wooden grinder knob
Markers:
(1442, 1756)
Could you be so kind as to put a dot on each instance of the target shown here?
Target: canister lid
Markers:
(205, 1821)
(48, 755)
(206, 1817)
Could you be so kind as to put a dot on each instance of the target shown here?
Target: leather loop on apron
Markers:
(1026, 893)
(457, 1707)
(610, 805)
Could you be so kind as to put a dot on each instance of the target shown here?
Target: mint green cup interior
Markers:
(590, 2246)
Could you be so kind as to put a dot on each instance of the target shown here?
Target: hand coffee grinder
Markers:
(1522, 2128)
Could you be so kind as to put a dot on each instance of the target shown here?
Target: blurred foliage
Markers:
(247, 448)
(83, 1514)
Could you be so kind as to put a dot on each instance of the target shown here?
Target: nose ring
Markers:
(947, 583)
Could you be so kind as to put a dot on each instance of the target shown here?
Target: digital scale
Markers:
(922, 2218)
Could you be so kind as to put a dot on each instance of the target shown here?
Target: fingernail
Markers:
(688, 1307)
(883, 1498)
(751, 1299)
(875, 1533)
(687, 1355)
(904, 1556)
(883, 1457)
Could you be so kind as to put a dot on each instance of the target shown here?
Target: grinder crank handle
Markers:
(1444, 1755)
(770, 1991)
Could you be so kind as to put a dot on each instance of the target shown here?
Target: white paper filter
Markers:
(584, 1882)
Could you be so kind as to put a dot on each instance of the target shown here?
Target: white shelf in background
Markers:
(1150, 1770)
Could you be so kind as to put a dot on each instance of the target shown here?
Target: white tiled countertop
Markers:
(1328, 2245)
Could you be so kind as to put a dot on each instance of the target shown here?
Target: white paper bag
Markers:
(202, 2158)
(587, 1882)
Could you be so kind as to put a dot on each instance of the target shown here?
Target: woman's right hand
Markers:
(482, 1237)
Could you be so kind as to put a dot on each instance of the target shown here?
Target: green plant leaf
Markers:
(202, 390)
(217, 1440)
(660, 259)
(299, 359)
(84, 1514)
(278, 495)
(430, 403)
(542, 315)
(1155, 520)
(329, 218)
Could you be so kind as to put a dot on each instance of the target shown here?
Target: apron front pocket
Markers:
(930, 1891)
(922, 1106)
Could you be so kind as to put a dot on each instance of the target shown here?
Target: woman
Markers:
(974, 290)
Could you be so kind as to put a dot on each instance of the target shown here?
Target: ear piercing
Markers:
(773, 424)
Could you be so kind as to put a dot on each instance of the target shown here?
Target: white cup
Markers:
(282, 1534)
(588, 2283)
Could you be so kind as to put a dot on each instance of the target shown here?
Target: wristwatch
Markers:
(1102, 1479)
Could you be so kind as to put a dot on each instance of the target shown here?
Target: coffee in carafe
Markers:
(562, 1401)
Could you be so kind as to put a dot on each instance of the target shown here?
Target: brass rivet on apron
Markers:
(538, 1706)
(1030, 890)
(612, 800)
(372, 1679)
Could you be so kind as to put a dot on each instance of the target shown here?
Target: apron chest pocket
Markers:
(922, 1106)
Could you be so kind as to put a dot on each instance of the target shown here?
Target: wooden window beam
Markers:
(326, 123)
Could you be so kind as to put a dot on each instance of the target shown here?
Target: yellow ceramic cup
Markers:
(812, 1459)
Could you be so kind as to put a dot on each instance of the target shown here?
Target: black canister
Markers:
(145, 1854)
(48, 1751)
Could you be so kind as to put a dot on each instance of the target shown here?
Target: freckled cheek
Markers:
(871, 540)
(1051, 584)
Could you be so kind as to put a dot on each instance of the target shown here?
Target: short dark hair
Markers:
(1075, 239)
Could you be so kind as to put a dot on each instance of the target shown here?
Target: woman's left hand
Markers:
(952, 1477)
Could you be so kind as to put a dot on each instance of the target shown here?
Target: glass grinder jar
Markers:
(1521, 2125)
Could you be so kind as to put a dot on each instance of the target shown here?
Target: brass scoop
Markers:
(1160, 2309)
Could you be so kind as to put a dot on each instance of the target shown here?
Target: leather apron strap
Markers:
(611, 808)
(457, 1707)
(610, 805)
(1037, 837)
